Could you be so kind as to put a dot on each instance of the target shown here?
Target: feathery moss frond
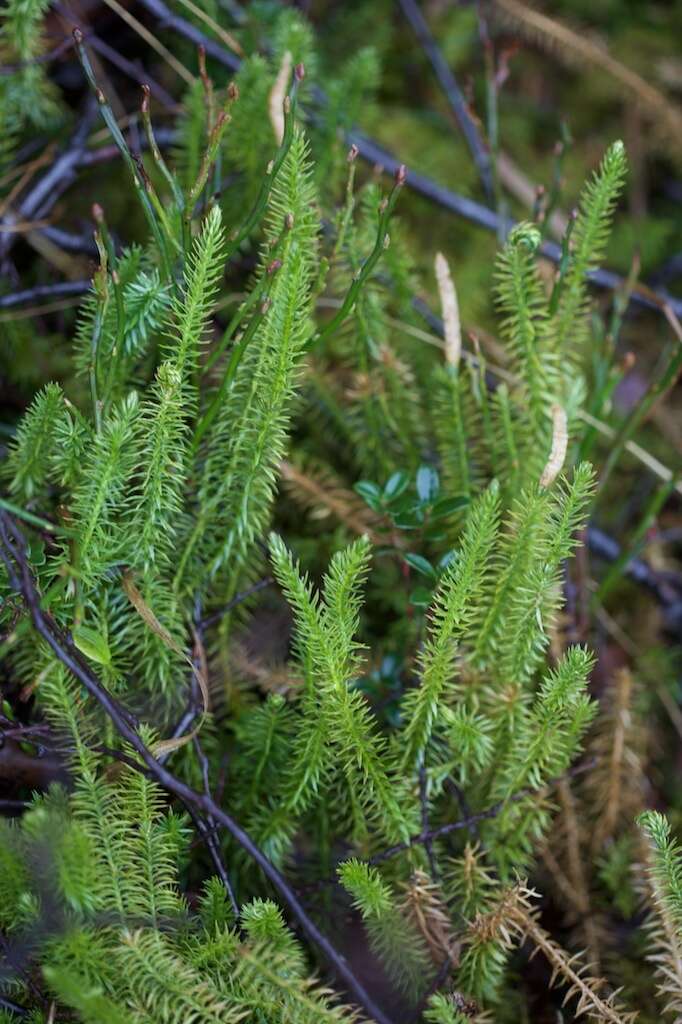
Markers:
(453, 611)
(34, 446)
(596, 206)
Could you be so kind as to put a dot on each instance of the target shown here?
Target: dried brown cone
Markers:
(425, 907)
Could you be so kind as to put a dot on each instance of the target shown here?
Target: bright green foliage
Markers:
(396, 674)
(249, 435)
(451, 616)
(444, 1010)
(391, 935)
(589, 238)
(26, 95)
(102, 493)
(522, 301)
(666, 863)
(190, 311)
(90, 1002)
(337, 715)
(28, 464)
(145, 304)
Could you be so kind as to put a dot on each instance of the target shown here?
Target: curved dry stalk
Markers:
(514, 919)
(575, 48)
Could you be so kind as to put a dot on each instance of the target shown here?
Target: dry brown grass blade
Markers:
(616, 787)
(152, 41)
(225, 37)
(269, 678)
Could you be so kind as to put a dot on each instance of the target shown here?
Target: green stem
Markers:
(564, 264)
(100, 220)
(235, 359)
(633, 548)
(557, 180)
(102, 301)
(29, 517)
(368, 266)
(207, 162)
(273, 169)
(129, 160)
(258, 293)
(641, 411)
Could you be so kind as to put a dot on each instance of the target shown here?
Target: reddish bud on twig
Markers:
(401, 175)
(629, 360)
(101, 98)
(233, 92)
(273, 267)
(97, 213)
(382, 205)
(299, 72)
(289, 221)
(145, 99)
(265, 306)
(78, 36)
(352, 154)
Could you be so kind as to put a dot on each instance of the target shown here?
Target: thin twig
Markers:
(492, 812)
(239, 598)
(424, 801)
(453, 94)
(44, 291)
(209, 836)
(47, 189)
(428, 836)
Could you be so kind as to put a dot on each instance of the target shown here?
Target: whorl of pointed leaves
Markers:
(664, 880)
(190, 311)
(158, 500)
(28, 465)
(595, 211)
(103, 493)
(392, 935)
(521, 299)
(146, 303)
(337, 725)
(452, 612)
(239, 471)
